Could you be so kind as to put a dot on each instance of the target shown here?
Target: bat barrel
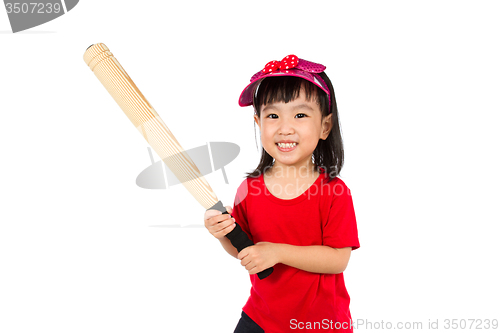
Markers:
(147, 121)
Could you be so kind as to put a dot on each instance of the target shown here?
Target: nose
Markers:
(286, 127)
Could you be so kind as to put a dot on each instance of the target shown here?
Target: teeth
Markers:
(287, 145)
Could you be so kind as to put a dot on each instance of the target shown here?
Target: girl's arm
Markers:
(314, 259)
(226, 244)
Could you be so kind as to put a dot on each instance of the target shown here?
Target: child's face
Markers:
(297, 123)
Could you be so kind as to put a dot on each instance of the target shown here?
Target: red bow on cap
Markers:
(290, 61)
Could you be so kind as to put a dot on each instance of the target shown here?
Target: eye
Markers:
(272, 116)
(301, 115)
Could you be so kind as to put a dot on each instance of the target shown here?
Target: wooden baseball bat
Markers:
(130, 99)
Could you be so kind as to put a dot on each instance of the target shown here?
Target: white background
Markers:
(417, 89)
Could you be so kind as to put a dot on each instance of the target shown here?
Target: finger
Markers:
(211, 213)
(217, 219)
(257, 268)
(251, 268)
(221, 225)
(229, 209)
(224, 232)
(243, 253)
(245, 261)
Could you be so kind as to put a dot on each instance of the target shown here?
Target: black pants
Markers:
(247, 325)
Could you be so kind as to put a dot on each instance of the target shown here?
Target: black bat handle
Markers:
(240, 239)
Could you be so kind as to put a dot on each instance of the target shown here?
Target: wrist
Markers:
(281, 252)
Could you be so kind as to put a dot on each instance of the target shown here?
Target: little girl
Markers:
(293, 206)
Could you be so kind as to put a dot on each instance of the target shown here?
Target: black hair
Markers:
(329, 153)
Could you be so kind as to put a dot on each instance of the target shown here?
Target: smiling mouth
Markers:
(286, 145)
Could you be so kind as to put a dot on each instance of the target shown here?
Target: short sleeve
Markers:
(239, 208)
(340, 228)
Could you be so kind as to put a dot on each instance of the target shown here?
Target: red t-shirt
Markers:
(291, 299)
